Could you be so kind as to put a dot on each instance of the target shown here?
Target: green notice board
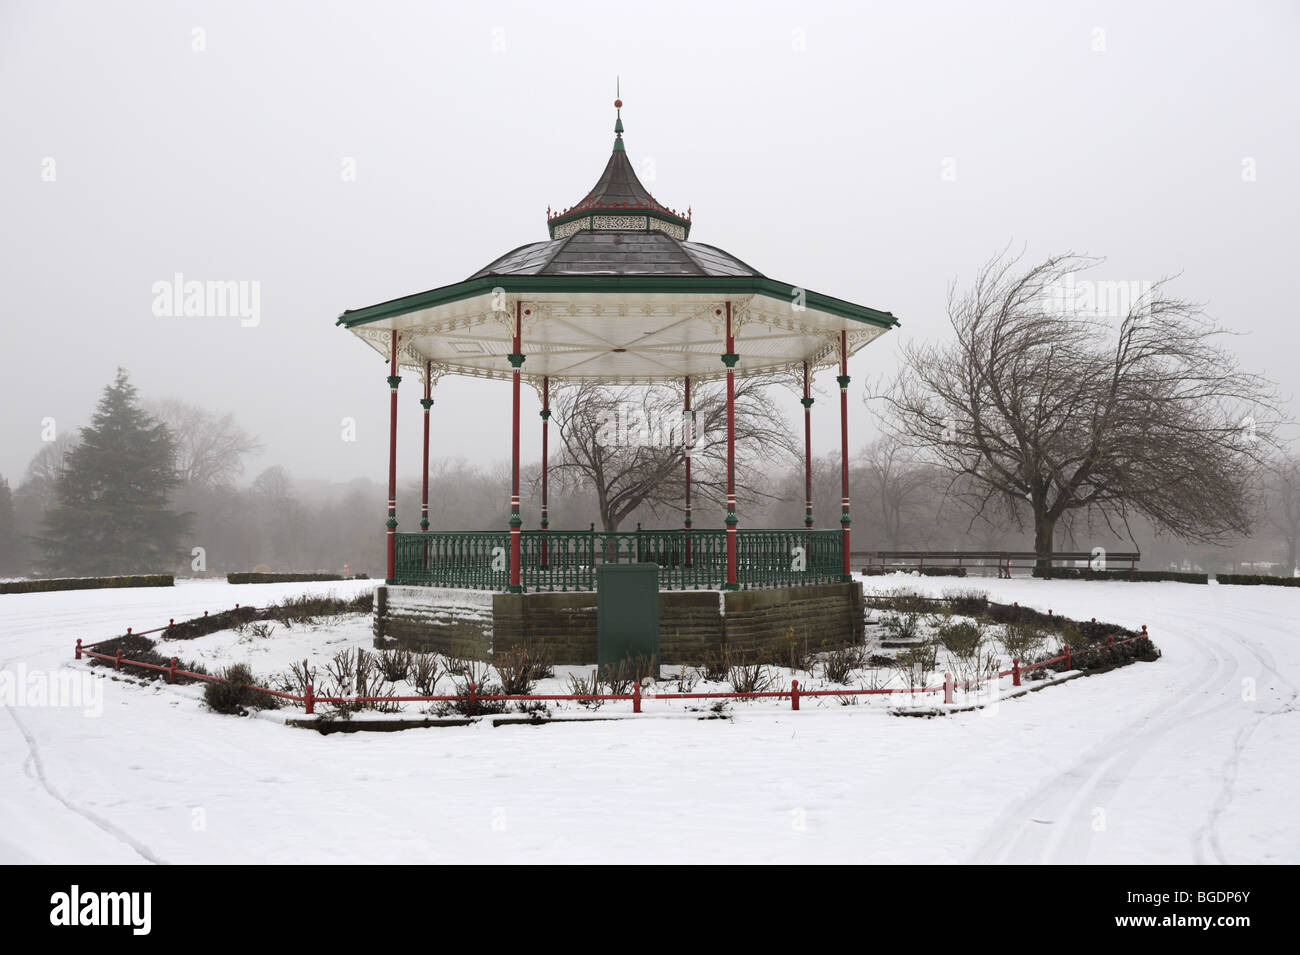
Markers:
(627, 614)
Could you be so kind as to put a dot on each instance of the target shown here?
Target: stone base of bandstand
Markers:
(692, 624)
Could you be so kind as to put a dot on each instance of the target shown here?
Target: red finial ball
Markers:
(618, 104)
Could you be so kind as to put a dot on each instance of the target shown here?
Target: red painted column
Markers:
(393, 381)
(843, 380)
(688, 444)
(730, 359)
(516, 360)
(807, 403)
(546, 431)
(426, 403)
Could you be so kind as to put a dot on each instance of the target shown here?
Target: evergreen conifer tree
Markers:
(112, 515)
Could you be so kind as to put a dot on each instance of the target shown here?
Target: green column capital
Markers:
(730, 359)
(394, 381)
(843, 380)
(426, 403)
(516, 359)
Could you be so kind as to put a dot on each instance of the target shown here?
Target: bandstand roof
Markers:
(617, 294)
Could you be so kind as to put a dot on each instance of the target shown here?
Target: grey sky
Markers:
(822, 166)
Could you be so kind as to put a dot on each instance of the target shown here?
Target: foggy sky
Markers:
(820, 166)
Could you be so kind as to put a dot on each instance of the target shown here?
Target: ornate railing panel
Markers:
(474, 560)
(555, 560)
(788, 558)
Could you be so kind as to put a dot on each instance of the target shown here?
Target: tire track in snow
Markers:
(1205, 841)
(34, 760)
(1017, 836)
(1073, 840)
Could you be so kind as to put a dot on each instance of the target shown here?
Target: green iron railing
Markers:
(473, 560)
(555, 560)
(788, 558)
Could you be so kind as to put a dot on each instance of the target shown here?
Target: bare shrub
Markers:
(715, 666)
(342, 670)
(1022, 640)
(425, 671)
(837, 665)
(792, 652)
(749, 677)
(234, 696)
(521, 666)
(901, 626)
(395, 665)
(916, 664)
(961, 638)
(590, 686)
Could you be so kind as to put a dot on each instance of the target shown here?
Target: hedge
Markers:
(86, 583)
(1257, 579)
(1082, 573)
(253, 578)
(292, 610)
(923, 571)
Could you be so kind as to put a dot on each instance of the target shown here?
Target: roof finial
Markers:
(618, 121)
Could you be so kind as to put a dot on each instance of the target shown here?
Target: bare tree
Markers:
(1282, 503)
(210, 449)
(1039, 400)
(626, 443)
(895, 483)
(41, 479)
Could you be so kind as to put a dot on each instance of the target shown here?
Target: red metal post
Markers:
(1069, 660)
(309, 700)
(546, 433)
(729, 359)
(516, 523)
(807, 403)
(845, 521)
(171, 671)
(117, 663)
(426, 403)
(636, 697)
(393, 381)
(688, 445)
(947, 687)
(78, 648)
(794, 694)
(1015, 671)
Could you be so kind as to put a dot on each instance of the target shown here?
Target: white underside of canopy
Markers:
(629, 338)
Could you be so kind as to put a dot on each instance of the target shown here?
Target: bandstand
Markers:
(617, 294)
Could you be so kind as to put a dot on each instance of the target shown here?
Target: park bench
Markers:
(1004, 560)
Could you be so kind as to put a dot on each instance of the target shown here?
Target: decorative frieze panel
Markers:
(669, 228)
(618, 223)
(566, 229)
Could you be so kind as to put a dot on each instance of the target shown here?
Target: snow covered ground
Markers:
(1191, 759)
